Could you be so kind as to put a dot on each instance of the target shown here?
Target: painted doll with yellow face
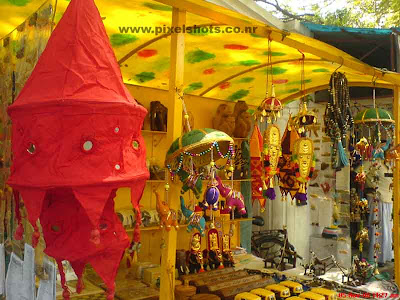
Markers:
(304, 164)
(196, 260)
(272, 152)
(214, 254)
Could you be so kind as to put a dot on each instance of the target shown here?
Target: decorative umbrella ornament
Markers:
(271, 107)
(375, 119)
(305, 119)
(272, 152)
(199, 147)
(304, 164)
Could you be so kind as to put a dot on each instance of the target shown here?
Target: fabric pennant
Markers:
(93, 200)
(33, 200)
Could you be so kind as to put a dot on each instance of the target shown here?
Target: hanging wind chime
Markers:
(266, 151)
(303, 148)
(271, 107)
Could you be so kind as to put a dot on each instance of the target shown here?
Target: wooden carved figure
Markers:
(242, 120)
(158, 116)
(224, 119)
(168, 217)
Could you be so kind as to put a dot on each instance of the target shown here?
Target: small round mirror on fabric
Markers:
(116, 130)
(135, 145)
(55, 228)
(117, 167)
(87, 146)
(31, 148)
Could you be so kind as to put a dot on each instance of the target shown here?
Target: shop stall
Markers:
(232, 138)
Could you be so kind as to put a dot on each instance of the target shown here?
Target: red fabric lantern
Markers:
(76, 138)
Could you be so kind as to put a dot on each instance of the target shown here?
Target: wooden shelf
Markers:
(153, 131)
(241, 139)
(238, 180)
(154, 228)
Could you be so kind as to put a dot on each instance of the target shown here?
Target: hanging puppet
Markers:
(76, 139)
(213, 252)
(288, 183)
(272, 152)
(304, 164)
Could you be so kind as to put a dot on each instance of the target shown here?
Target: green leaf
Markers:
(238, 95)
(197, 56)
(145, 76)
(120, 39)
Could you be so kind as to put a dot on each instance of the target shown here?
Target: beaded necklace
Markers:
(338, 117)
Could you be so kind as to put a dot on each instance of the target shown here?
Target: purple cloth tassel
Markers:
(270, 193)
(301, 199)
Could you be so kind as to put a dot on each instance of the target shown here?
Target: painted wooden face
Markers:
(304, 156)
(272, 139)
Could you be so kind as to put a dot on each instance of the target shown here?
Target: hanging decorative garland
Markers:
(338, 117)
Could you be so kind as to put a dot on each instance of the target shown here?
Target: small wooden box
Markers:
(139, 267)
(151, 275)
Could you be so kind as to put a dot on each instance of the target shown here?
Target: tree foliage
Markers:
(357, 13)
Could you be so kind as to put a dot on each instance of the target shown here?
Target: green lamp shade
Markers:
(195, 146)
(374, 115)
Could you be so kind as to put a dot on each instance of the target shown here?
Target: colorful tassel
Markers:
(301, 199)
(270, 193)
(342, 154)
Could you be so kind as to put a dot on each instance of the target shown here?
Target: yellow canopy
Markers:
(228, 66)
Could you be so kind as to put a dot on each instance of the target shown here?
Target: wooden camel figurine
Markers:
(168, 217)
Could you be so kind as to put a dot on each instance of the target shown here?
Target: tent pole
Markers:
(174, 130)
(396, 190)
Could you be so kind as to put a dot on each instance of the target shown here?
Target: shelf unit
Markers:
(153, 228)
(153, 131)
